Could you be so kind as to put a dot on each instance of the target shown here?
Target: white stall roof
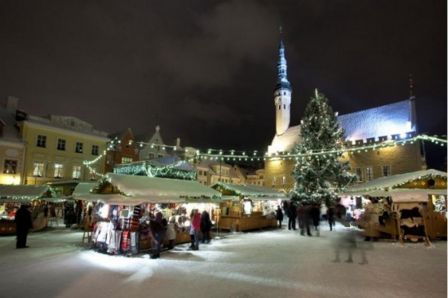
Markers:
(140, 189)
(394, 181)
(251, 191)
(29, 192)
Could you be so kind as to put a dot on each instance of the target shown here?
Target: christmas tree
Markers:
(319, 173)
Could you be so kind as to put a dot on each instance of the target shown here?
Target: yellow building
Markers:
(11, 146)
(56, 147)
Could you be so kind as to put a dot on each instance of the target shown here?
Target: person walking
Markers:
(292, 216)
(157, 231)
(330, 217)
(279, 216)
(307, 218)
(171, 232)
(24, 223)
(195, 229)
(301, 218)
(315, 216)
(206, 226)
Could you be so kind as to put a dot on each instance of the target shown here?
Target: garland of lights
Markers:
(233, 155)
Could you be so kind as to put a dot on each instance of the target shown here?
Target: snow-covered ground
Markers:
(276, 263)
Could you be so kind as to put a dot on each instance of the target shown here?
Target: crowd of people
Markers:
(164, 232)
(306, 216)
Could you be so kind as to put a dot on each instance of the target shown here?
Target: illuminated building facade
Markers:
(56, 147)
(371, 126)
(12, 148)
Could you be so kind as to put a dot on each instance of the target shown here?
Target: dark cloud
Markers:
(205, 70)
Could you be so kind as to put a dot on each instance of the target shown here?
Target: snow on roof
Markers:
(387, 120)
(24, 192)
(252, 191)
(395, 181)
(10, 132)
(404, 192)
(286, 141)
(160, 188)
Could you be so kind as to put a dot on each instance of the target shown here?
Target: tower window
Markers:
(284, 93)
(280, 107)
(284, 107)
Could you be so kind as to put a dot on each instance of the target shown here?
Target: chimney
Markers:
(12, 103)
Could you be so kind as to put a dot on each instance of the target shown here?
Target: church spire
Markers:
(282, 92)
(282, 67)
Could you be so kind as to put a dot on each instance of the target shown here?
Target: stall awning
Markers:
(24, 192)
(135, 190)
(393, 181)
(250, 191)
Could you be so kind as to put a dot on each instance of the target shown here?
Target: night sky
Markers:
(205, 70)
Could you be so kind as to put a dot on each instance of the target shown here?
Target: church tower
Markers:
(282, 93)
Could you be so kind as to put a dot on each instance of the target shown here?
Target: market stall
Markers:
(406, 206)
(122, 206)
(38, 197)
(248, 207)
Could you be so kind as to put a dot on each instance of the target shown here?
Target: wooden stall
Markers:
(38, 197)
(131, 200)
(247, 207)
(409, 206)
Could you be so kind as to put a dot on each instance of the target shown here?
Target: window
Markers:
(38, 169)
(58, 168)
(78, 148)
(369, 173)
(274, 181)
(41, 141)
(359, 174)
(126, 159)
(61, 144)
(283, 180)
(95, 150)
(386, 171)
(10, 166)
(76, 174)
(284, 107)
(279, 107)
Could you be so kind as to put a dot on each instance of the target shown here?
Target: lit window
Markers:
(58, 168)
(274, 181)
(94, 150)
(126, 159)
(41, 141)
(10, 166)
(386, 171)
(76, 174)
(61, 144)
(369, 173)
(283, 180)
(38, 169)
(78, 148)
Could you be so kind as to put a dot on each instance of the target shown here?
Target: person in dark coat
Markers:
(307, 219)
(279, 216)
(206, 226)
(292, 213)
(315, 217)
(157, 231)
(330, 217)
(301, 218)
(24, 223)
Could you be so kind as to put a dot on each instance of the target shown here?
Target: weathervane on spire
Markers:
(411, 86)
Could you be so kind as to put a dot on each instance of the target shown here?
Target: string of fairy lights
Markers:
(256, 156)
